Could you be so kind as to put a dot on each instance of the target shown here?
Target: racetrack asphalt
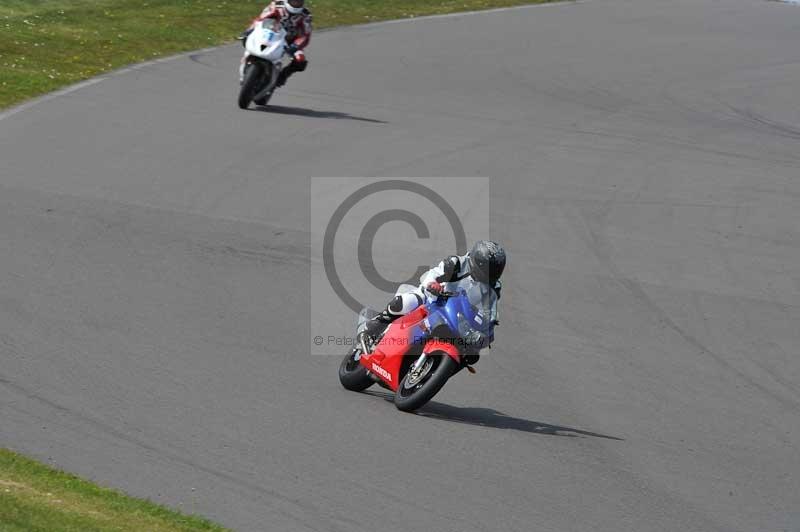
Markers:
(645, 163)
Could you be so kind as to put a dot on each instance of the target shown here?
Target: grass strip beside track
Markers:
(34, 497)
(47, 44)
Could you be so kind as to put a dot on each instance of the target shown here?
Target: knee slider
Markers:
(396, 305)
(403, 304)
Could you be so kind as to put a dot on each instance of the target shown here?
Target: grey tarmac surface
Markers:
(645, 165)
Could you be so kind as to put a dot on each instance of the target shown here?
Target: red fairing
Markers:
(386, 359)
(439, 345)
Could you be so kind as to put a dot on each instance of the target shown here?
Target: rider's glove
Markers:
(291, 49)
(435, 288)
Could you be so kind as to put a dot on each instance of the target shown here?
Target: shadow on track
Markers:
(486, 417)
(311, 113)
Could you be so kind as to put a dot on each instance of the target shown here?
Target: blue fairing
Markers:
(472, 326)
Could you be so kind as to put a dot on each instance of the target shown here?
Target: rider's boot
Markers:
(399, 306)
(379, 323)
(283, 76)
(295, 66)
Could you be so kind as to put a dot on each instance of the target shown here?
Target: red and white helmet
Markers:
(295, 7)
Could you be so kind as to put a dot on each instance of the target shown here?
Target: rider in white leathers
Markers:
(485, 263)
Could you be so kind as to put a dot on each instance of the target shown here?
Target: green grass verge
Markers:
(47, 44)
(34, 497)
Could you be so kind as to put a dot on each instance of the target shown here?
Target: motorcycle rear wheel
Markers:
(409, 398)
(253, 76)
(353, 375)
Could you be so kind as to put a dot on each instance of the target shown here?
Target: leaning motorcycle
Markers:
(418, 353)
(265, 45)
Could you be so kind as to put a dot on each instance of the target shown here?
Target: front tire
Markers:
(253, 75)
(353, 375)
(410, 397)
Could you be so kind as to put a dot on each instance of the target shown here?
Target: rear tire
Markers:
(253, 74)
(353, 375)
(413, 398)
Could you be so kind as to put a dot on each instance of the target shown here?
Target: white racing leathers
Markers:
(453, 268)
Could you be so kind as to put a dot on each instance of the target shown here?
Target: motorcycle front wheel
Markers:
(353, 375)
(253, 75)
(415, 391)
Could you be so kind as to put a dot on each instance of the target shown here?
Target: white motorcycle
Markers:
(265, 46)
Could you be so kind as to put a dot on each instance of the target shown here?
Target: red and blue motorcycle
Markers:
(418, 353)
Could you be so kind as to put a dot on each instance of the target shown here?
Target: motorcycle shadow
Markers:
(487, 417)
(311, 113)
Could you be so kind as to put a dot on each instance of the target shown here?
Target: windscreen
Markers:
(482, 298)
